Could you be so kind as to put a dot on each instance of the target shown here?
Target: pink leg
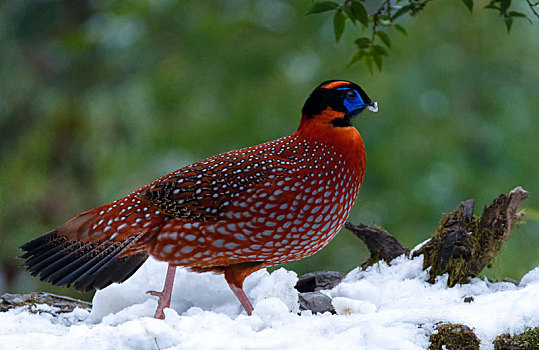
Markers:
(240, 294)
(165, 295)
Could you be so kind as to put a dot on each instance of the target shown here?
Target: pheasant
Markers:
(232, 214)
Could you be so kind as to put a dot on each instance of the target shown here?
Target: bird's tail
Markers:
(74, 254)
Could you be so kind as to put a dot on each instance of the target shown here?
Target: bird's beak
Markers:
(373, 107)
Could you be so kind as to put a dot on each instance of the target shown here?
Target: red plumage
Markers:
(232, 213)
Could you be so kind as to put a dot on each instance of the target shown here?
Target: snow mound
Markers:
(382, 307)
(206, 291)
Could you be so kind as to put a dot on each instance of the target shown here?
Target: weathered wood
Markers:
(61, 303)
(381, 244)
(464, 245)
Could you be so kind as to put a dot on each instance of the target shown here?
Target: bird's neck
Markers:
(344, 140)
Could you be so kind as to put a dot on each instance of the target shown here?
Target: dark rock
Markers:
(317, 302)
(315, 281)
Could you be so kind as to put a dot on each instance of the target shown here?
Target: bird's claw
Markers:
(154, 293)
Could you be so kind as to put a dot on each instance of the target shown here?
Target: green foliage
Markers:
(502, 6)
(386, 15)
(323, 6)
(338, 24)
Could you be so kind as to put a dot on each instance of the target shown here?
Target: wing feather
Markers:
(202, 190)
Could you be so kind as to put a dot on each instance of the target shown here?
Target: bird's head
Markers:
(333, 104)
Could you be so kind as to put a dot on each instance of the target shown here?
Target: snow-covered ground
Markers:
(384, 307)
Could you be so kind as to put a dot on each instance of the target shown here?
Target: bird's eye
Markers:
(351, 95)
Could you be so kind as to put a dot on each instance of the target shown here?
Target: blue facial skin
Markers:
(354, 105)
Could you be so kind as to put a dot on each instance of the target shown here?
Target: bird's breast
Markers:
(303, 200)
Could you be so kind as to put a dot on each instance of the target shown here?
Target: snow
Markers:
(383, 307)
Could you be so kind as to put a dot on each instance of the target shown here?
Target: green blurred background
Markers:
(98, 98)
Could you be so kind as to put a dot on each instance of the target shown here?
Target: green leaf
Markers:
(402, 11)
(363, 42)
(356, 57)
(508, 22)
(377, 53)
(338, 24)
(469, 4)
(322, 6)
(360, 13)
(367, 59)
(493, 4)
(348, 10)
(383, 36)
(504, 5)
(492, 7)
(401, 29)
(520, 15)
(517, 14)
(378, 60)
(379, 50)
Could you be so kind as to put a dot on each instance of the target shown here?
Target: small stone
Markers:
(317, 302)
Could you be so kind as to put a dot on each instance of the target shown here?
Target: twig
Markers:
(532, 6)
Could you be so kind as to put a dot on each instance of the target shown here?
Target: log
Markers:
(61, 303)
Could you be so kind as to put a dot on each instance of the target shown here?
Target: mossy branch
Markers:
(462, 246)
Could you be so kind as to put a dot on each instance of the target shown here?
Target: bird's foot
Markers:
(154, 293)
(165, 295)
(162, 303)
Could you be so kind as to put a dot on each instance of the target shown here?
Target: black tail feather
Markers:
(83, 256)
(86, 265)
(92, 263)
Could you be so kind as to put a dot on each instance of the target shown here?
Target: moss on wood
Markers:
(528, 340)
(452, 336)
(464, 245)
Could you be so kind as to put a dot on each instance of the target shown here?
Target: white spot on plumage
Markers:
(187, 249)
(218, 243)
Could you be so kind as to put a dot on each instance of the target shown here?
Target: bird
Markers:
(232, 214)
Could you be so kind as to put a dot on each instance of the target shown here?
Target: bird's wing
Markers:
(202, 190)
